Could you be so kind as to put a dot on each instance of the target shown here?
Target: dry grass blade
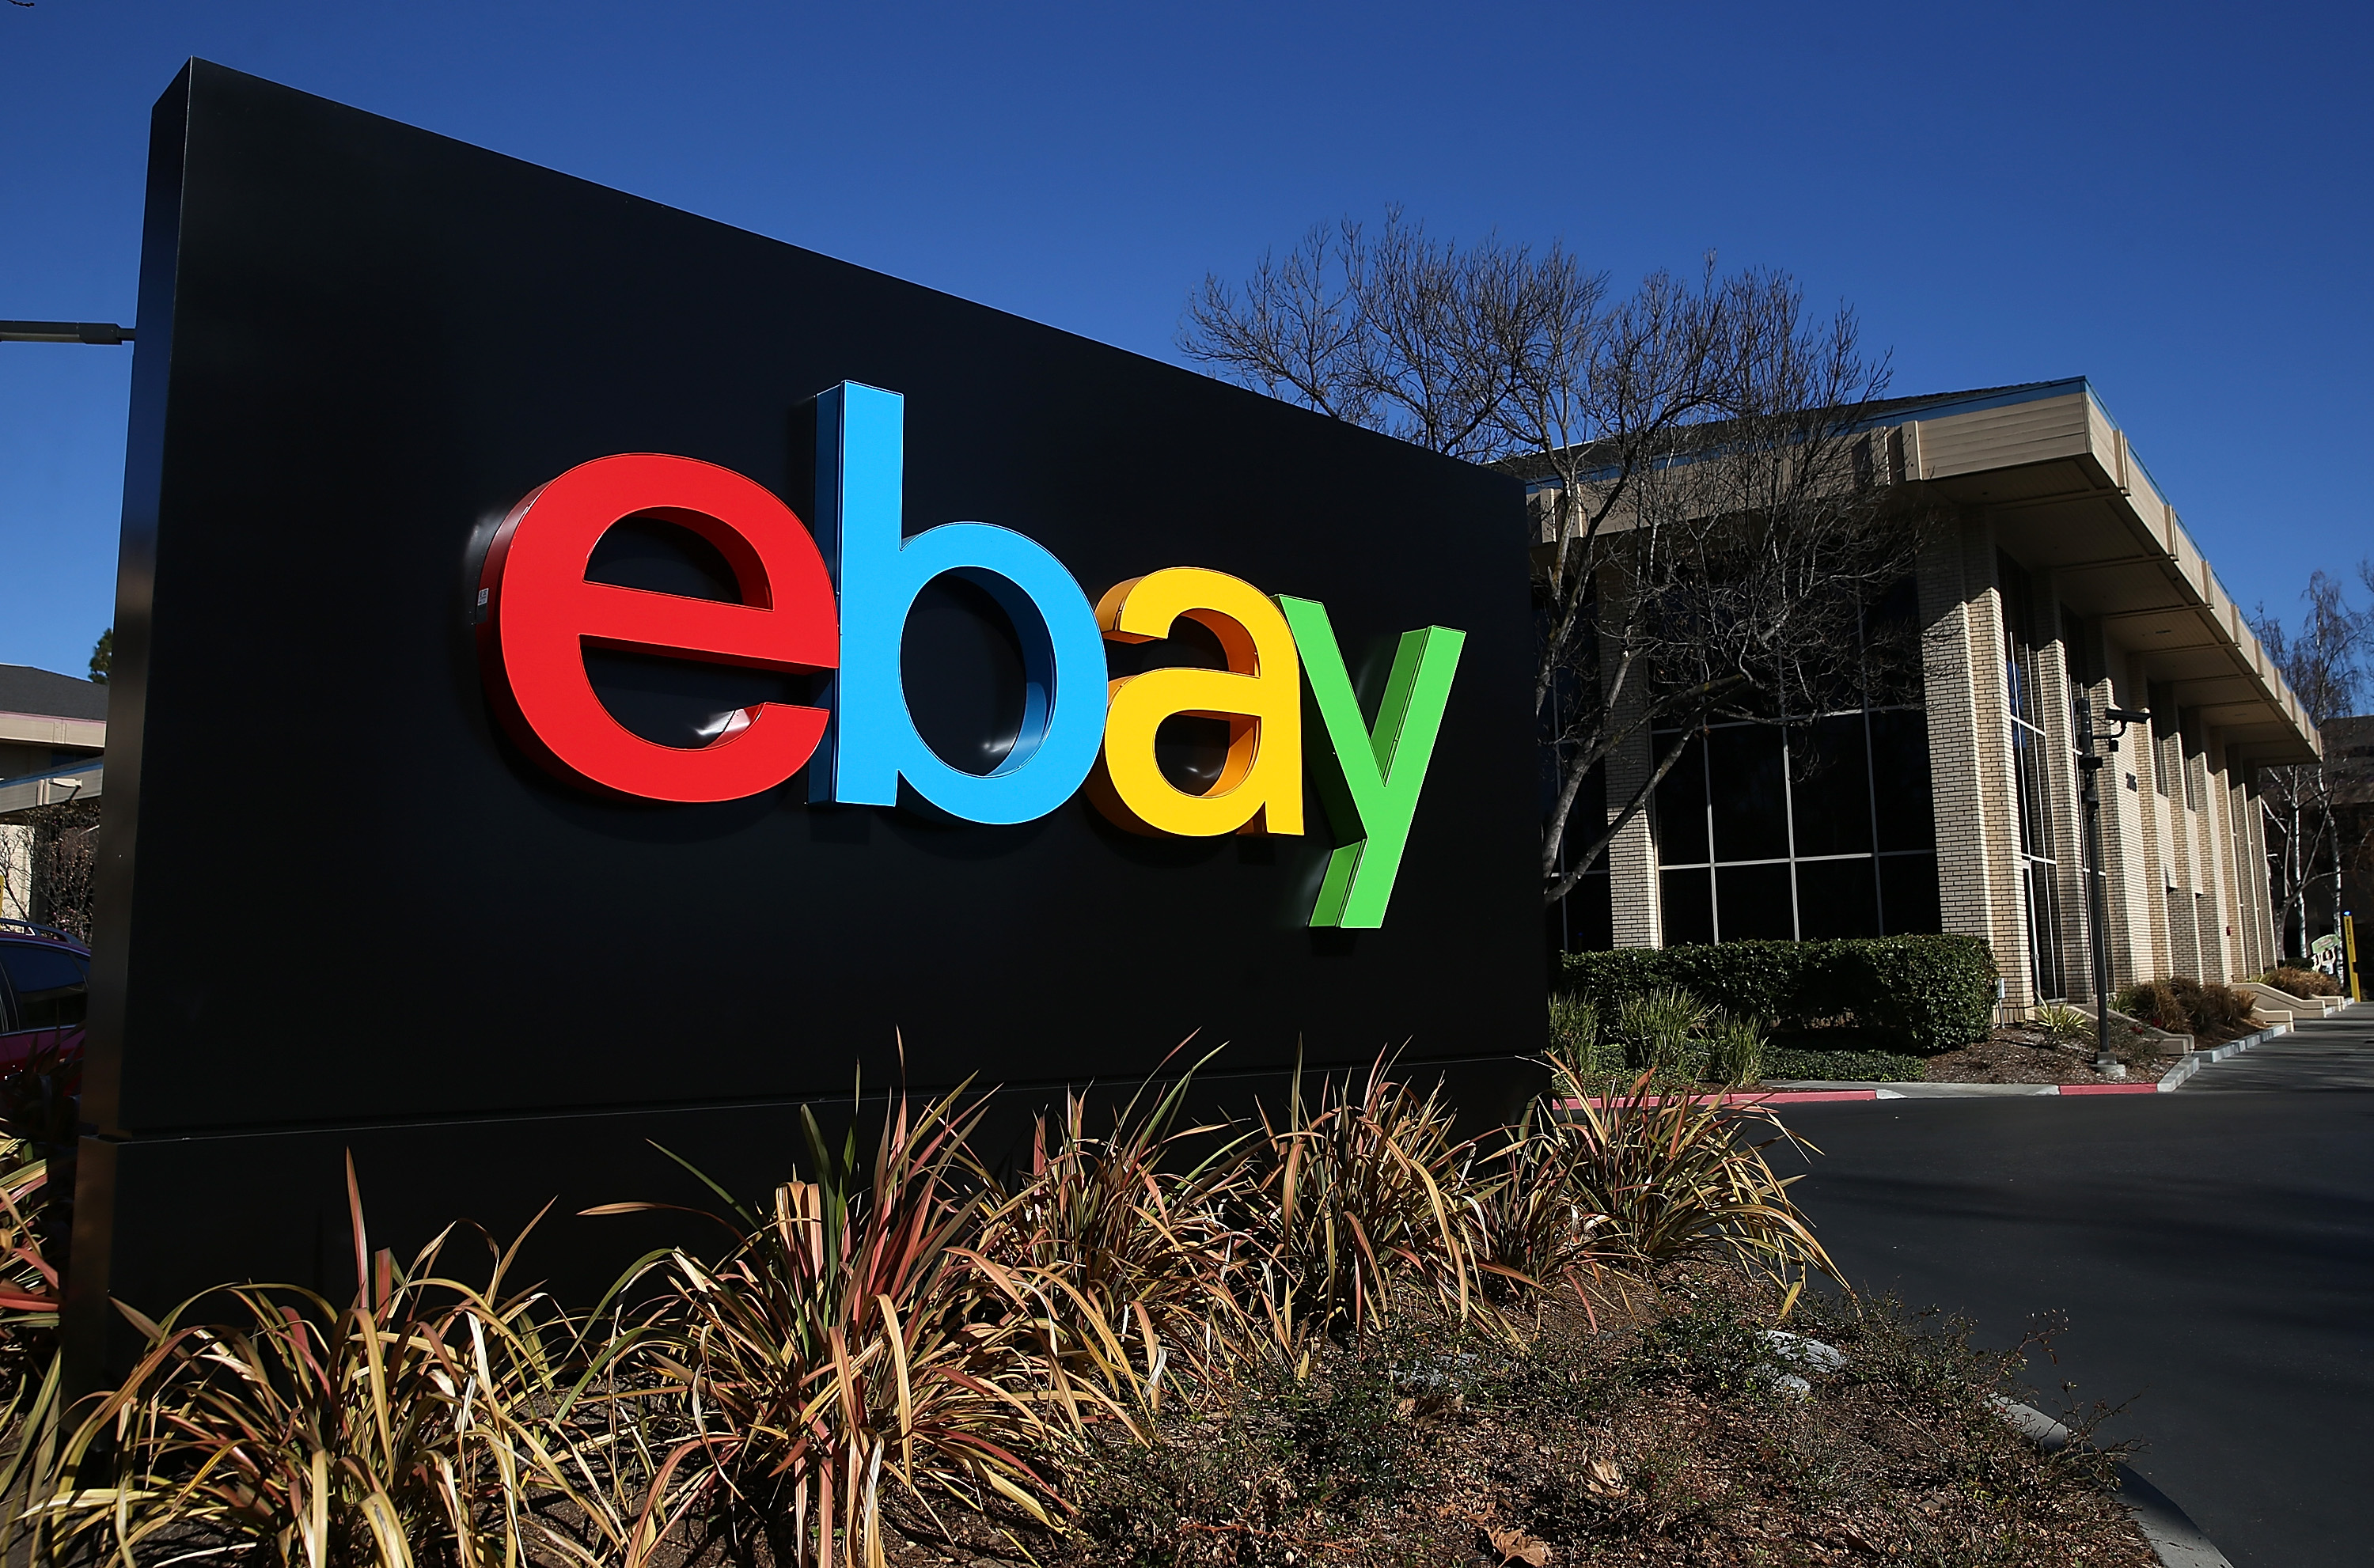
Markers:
(28, 1359)
(847, 1334)
(308, 1436)
(1536, 1225)
(1358, 1196)
(1674, 1176)
(1124, 1236)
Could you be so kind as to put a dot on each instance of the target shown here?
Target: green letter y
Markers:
(1380, 772)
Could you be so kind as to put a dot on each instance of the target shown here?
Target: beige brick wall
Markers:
(2217, 924)
(2150, 842)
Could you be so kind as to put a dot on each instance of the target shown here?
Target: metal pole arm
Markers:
(104, 333)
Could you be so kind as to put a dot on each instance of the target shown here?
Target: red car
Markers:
(44, 992)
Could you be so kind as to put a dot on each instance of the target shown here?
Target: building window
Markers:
(2031, 762)
(1820, 829)
(1584, 920)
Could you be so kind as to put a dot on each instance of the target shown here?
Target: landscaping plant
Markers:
(1575, 1034)
(2153, 1002)
(1913, 993)
(1783, 1063)
(1672, 1176)
(1342, 1333)
(2212, 1006)
(2182, 1005)
(409, 1424)
(1536, 1225)
(847, 1338)
(1735, 1052)
(1357, 1198)
(2063, 1023)
(1127, 1236)
(2295, 981)
(1660, 1031)
(29, 1299)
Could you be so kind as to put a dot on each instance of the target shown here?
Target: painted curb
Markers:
(2175, 1539)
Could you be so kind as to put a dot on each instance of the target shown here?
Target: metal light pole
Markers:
(104, 333)
(2089, 795)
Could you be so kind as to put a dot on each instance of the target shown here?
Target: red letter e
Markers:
(542, 614)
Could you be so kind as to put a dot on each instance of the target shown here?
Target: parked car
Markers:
(44, 992)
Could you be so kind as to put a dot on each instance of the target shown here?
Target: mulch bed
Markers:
(1649, 1426)
(2025, 1056)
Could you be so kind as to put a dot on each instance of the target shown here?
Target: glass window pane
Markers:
(1829, 791)
(1689, 902)
(1900, 775)
(1753, 901)
(1586, 821)
(1891, 645)
(1681, 806)
(1908, 894)
(1589, 915)
(1750, 801)
(1837, 898)
(2044, 930)
(49, 983)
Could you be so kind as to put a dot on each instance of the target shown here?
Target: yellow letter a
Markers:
(1260, 694)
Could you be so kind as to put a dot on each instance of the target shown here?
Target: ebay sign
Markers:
(836, 599)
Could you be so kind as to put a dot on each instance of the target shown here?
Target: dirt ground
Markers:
(1660, 1425)
(2023, 1056)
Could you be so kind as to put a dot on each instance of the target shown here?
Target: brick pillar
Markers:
(2126, 863)
(2154, 956)
(2254, 839)
(1632, 854)
(2054, 704)
(1969, 747)
(2218, 861)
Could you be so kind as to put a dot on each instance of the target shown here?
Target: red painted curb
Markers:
(1772, 1097)
(2110, 1088)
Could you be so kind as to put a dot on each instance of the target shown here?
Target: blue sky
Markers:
(2173, 200)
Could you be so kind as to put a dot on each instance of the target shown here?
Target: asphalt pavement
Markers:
(2212, 1251)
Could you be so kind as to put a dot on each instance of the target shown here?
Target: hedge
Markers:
(1917, 993)
(1841, 1067)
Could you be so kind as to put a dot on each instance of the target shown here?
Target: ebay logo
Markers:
(835, 600)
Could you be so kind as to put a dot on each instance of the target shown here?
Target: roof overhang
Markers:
(81, 782)
(2054, 474)
(49, 730)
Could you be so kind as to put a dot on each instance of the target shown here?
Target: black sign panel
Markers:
(341, 908)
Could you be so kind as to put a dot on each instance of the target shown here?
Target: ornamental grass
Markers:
(407, 1425)
(896, 1336)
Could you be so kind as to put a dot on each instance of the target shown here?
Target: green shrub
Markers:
(1734, 1048)
(2061, 1022)
(1577, 1041)
(1852, 1067)
(1917, 993)
(1662, 1031)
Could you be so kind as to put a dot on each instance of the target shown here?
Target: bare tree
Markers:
(1709, 536)
(48, 856)
(2325, 663)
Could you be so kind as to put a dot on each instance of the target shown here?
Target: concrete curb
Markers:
(2175, 1539)
(2175, 1077)
(1798, 1090)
